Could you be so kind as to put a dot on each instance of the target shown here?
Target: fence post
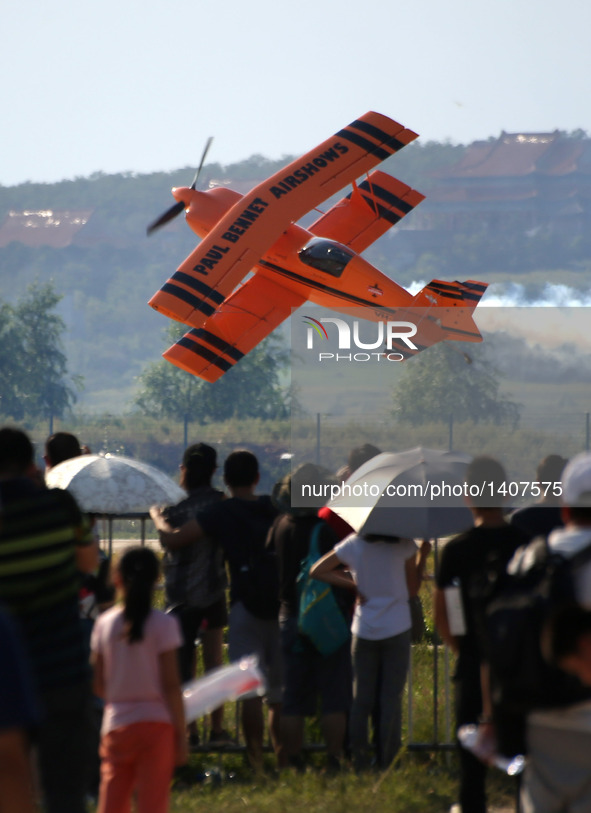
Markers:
(318, 438)
(436, 656)
(410, 699)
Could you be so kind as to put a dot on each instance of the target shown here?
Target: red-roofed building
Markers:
(521, 180)
(44, 227)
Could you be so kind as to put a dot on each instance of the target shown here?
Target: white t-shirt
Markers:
(133, 690)
(379, 572)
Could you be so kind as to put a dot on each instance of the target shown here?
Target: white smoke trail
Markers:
(552, 296)
(514, 294)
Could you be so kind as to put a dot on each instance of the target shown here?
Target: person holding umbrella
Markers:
(390, 496)
(386, 572)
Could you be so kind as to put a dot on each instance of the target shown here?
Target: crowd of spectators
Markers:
(140, 655)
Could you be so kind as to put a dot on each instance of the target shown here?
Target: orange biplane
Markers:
(292, 265)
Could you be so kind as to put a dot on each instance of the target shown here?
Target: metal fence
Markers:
(428, 722)
(432, 731)
(328, 438)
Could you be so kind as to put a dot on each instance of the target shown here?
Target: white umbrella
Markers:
(114, 485)
(416, 493)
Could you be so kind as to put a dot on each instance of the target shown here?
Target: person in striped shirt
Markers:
(44, 541)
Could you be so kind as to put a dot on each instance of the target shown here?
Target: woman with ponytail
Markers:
(134, 656)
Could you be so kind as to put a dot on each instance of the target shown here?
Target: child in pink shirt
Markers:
(134, 656)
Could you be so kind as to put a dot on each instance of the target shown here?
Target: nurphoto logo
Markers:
(387, 340)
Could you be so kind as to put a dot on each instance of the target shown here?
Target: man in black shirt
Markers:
(195, 578)
(491, 540)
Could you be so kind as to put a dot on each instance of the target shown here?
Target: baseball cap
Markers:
(576, 481)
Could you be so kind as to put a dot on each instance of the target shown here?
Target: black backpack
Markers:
(519, 603)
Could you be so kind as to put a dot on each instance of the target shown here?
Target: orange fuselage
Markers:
(359, 284)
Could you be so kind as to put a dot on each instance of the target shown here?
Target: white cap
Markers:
(576, 481)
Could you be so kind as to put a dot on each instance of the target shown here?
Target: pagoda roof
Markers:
(521, 154)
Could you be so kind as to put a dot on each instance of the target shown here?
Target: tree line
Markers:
(35, 382)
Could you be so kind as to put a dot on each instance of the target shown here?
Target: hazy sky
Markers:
(138, 85)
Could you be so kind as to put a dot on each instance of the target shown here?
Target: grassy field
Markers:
(422, 782)
(415, 786)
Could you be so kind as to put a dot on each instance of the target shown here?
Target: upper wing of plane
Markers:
(368, 211)
(245, 319)
(251, 226)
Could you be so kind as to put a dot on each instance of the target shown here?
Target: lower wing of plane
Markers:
(368, 211)
(242, 321)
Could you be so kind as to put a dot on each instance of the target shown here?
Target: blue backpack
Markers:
(320, 619)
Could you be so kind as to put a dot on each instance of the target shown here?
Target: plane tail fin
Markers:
(455, 302)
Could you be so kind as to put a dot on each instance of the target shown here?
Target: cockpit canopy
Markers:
(326, 255)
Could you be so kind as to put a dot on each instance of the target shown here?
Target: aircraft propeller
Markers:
(178, 207)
